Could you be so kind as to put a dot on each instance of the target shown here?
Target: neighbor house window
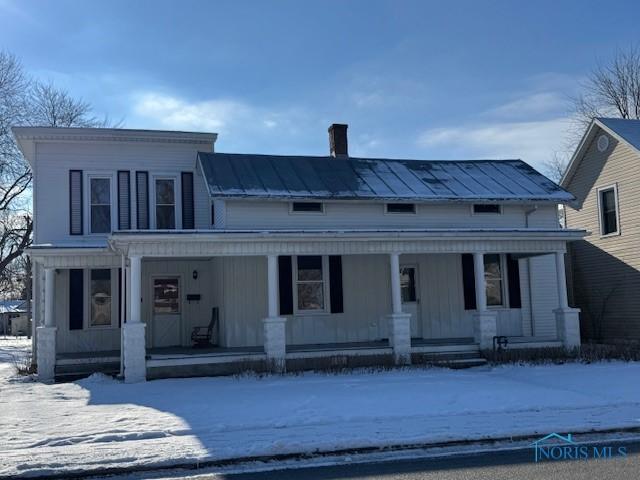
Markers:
(310, 279)
(100, 204)
(493, 279)
(100, 297)
(307, 207)
(486, 208)
(401, 208)
(608, 203)
(165, 204)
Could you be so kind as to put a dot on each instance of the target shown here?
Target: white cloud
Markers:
(531, 106)
(534, 141)
(177, 114)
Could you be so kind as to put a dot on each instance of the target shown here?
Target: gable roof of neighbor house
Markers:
(300, 177)
(623, 129)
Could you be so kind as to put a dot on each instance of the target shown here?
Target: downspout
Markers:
(527, 213)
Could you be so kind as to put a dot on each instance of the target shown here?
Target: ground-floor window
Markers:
(100, 297)
(493, 279)
(310, 279)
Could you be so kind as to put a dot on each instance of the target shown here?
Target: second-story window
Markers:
(100, 208)
(165, 204)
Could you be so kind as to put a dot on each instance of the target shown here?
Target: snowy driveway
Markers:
(99, 423)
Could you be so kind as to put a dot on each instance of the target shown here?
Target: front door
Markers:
(410, 298)
(166, 311)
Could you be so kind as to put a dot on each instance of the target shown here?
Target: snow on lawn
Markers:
(99, 422)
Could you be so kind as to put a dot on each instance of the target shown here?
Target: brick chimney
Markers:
(338, 140)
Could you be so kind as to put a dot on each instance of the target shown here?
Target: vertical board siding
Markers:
(192, 314)
(89, 339)
(544, 295)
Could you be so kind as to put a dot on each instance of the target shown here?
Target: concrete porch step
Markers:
(68, 373)
(449, 359)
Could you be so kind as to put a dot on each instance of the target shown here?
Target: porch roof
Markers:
(210, 243)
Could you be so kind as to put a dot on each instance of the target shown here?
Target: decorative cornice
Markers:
(38, 134)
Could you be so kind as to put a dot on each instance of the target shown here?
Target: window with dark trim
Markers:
(400, 208)
(608, 204)
(493, 208)
(307, 207)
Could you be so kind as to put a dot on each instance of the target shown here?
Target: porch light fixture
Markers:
(195, 274)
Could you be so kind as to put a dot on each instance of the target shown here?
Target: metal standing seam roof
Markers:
(629, 129)
(305, 177)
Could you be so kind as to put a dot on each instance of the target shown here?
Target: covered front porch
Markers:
(403, 294)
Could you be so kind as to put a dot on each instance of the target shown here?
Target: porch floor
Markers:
(179, 351)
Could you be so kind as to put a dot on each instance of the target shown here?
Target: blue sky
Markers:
(413, 79)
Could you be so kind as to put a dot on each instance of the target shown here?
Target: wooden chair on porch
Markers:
(201, 336)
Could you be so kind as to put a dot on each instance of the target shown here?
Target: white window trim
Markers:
(503, 283)
(599, 192)
(414, 212)
(325, 284)
(500, 209)
(177, 190)
(293, 212)
(87, 201)
(115, 303)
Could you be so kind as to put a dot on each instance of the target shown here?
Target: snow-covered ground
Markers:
(98, 422)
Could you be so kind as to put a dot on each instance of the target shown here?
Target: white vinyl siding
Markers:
(253, 214)
(54, 160)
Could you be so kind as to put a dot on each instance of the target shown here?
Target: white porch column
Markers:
(567, 319)
(274, 326)
(133, 330)
(399, 322)
(46, 336)
(484, 321)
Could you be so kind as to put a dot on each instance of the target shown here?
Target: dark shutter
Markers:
(120, 299)
(76, 299)
(75, 202)
(513, 275)
(124, 205)
(188, 221)
(468, 281)
(285, 280)
(335, 283)
(213, 214)
(142, 200)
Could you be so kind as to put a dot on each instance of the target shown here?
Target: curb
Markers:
(197, 465)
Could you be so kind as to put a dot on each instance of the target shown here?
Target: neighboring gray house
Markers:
(142, 236)
(14, 318)
(604, 176)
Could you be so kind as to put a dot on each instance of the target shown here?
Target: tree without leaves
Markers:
(24, 101)
(611, 90)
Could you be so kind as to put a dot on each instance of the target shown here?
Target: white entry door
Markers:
(410, 297)
(166, 311)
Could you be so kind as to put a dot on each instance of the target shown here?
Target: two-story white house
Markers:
(141, 237)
